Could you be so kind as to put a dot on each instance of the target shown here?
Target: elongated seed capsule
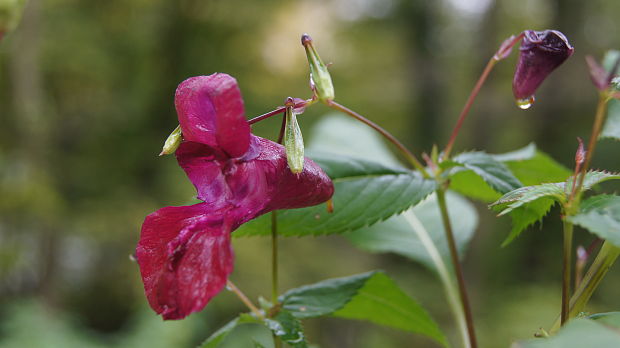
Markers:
(293, 140)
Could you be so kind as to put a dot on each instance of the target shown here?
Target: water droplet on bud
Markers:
(526, 103)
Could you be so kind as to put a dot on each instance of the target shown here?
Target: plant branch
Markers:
(274, 257)
(274, 267)
(244, 299)
(593, 277)
(599, 119)
(443, 207)
(566, 270)
(279, 110)
(468, 104)
(403, 150)
(265, 116)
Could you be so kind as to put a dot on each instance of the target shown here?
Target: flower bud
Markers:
(293, 140)
(320, 79)
(10, 13)
(172, 143)
(540, 53)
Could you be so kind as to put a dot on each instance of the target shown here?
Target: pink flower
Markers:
(184, 253)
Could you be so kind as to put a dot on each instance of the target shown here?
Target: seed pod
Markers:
(293, 139)
(172, 143)
(320, 78)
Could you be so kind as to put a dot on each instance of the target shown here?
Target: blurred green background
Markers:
(86, 101)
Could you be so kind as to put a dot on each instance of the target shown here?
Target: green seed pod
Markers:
(172, 143)
(319, 75)
(293, 140)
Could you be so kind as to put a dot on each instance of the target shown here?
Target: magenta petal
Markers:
(310, 187)
(185, 257)
(202, 164)
(256, 184)
(210, 110)
(266, 183)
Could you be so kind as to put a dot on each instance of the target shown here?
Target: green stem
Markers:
(597, 271)
(403, 150)
(468, 104)
(231, 286)
(274, 257)
(452, 293)
(599, 119)
(274, 267)
(566, 270)
(443, 207)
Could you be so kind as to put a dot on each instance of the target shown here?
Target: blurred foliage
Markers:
(86, 101)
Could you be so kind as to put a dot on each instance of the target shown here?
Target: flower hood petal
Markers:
(210, 111)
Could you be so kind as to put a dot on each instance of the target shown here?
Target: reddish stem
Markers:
(468, 104)
(279, 110)
(501, 53)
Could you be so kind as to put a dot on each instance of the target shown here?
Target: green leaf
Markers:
(398, 236)
(217, 337)
(601, 216)
(528, 165)
(288, 328)
(530, 204)
(343, 135)
(366, 193)
(539, 169)
(258, 344)
(492, 171)
(611, 129)
(470, 184)
(593, 177)
(610, 59)
(577, 333)
(519, 197)
(371, 296)
(609, 318)
(382, 302)
(323, 298)
(526, 153)
(527, 215)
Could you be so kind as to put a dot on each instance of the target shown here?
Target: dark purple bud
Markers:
(540, 53)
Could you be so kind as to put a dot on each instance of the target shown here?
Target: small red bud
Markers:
(580, 155)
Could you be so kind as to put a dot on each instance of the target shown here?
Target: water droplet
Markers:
(526, 103)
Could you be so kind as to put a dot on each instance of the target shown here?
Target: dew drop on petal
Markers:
(525, 103)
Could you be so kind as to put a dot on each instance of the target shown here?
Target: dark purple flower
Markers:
(540, 53)
(184, 253)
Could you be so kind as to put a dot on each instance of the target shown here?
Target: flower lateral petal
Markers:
(185, 257)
